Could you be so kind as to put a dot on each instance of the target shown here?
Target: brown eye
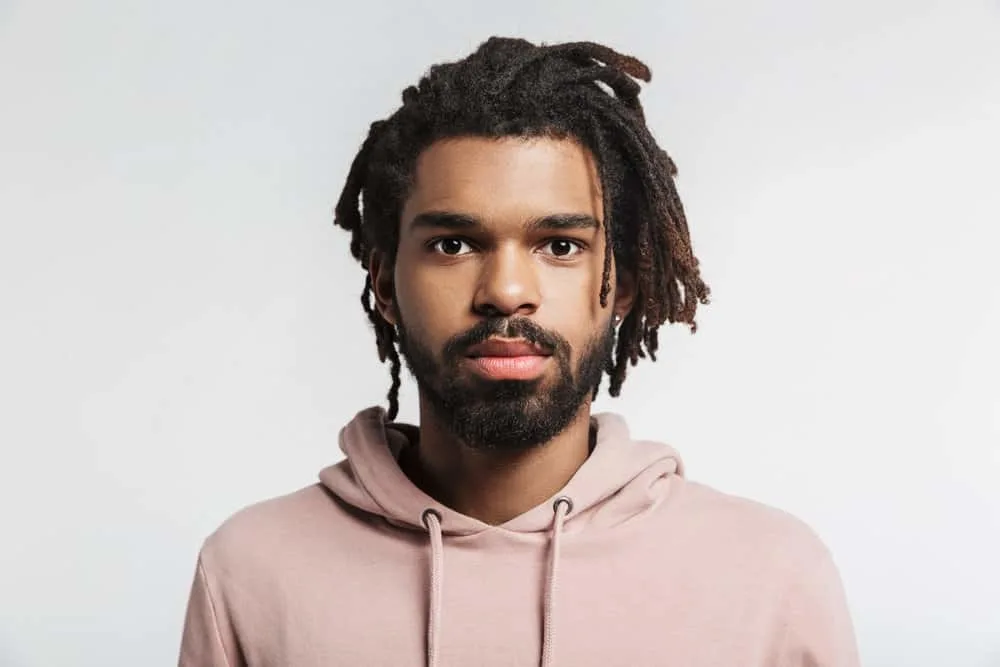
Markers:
(564, 247)
(450, 246)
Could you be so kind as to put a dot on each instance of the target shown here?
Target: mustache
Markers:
(506, 327)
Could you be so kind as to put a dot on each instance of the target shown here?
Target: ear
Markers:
(383, 286)
(625, 289)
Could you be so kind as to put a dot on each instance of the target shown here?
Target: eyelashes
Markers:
(454, 246)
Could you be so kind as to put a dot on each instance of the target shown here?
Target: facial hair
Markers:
(506, 415)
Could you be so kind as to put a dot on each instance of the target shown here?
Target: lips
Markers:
(496, 347)
(500, 359)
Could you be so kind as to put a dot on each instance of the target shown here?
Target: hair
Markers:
(513, 88)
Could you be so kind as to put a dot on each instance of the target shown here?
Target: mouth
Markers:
(508, 359)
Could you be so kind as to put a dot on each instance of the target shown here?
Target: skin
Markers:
(502, 266)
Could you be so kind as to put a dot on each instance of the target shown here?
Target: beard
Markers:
(506, 415)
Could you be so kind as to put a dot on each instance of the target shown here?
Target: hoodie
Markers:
(630, 564)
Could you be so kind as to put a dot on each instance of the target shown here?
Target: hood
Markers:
(621, 479)
(627, 564)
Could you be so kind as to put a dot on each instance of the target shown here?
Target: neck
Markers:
(495, 486)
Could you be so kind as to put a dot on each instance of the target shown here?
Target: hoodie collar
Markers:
(620, 473)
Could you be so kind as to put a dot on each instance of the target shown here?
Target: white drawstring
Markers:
(432, 520)
(562, 507)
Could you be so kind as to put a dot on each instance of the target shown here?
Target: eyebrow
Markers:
(461, 221)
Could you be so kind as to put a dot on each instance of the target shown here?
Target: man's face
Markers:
(495, 290)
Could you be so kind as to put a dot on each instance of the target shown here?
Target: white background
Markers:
(181, 333)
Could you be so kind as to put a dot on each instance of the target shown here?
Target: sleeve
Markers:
(818, 631)
(208, 638)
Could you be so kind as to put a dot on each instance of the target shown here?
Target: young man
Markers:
(522, 236)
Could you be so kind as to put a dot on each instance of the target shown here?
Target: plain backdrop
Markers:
(181, 334)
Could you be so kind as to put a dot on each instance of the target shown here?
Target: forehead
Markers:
(508, 179)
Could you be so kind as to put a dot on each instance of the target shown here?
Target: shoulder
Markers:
(745, 528)
(268, 532)
(784, 570)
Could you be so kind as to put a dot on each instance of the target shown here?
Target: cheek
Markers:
(580, 285)
(572, 305)
(432, 301)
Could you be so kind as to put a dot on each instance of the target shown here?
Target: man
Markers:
(522, 236)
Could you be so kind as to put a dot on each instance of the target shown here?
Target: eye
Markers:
(563, 248)
(450, 246)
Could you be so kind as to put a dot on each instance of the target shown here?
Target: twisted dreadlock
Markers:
(511, 87)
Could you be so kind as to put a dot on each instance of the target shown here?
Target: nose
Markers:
(508, 284)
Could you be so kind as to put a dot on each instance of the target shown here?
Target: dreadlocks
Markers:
(511, 87)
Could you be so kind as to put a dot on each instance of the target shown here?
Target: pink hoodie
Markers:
(629, 564)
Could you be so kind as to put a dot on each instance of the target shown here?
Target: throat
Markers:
(490, 486)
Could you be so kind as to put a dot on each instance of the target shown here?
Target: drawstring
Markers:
(432, 521)
(561, 507)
